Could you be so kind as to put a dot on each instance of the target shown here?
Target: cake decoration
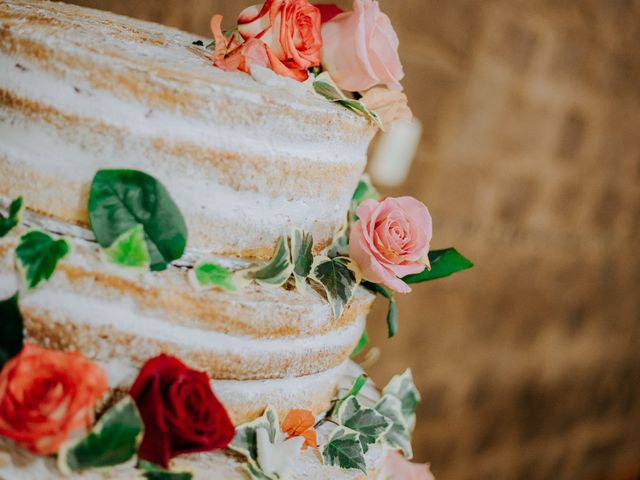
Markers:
(38, 254)
(13, 217)
(129, 249)
(11, 329)
(300, 422)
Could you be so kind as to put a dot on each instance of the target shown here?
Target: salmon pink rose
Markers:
(391, 239)
(45, 395)
(290, 30)
(360, 49)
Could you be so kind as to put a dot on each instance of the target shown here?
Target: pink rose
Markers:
(290, 29)
(390, 105)
(390, 240)
(360, 49)
(397, 467)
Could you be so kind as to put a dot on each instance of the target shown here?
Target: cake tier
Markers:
(245, 158)
(260, 346)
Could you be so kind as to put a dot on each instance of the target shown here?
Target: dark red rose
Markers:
(180, 412)
(328, 11)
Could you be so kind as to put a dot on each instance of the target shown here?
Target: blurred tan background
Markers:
(529, 364)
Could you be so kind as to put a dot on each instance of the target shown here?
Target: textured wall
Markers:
(529, 363)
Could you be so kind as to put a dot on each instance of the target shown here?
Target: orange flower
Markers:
(300, 423)
(45, 395)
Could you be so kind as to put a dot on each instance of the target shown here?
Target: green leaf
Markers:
(114, 440)
(364, 191)
(337, 279)
(364, 340)
(13, 218)
(398, 436)
(38, 254)
(403, 388)
(358, 383)
(343, 449)
(392, 313)
(198, 43)
(256, 473)
(301, 256)
(370, 424)
(129, 249)
(244, 441)
(11, 329)
(156, 472)
(323, 85)
(277, 271)
(119, 200)
(443, 263)
(209, 274)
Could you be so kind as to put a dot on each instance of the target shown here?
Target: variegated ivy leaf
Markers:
(114, 440)
(129, 249)
(256, 473)
(354, 381)
(13, 217)
(324, 85)
(245, 439)
(38, 254)
(339, 280)
(403, 388)
(301, 256)
(207, 274)
(156, 472)
(398, 436)
(370, 424)
(277, 271)
(343, 449)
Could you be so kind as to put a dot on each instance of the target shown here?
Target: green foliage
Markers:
(343, 449)
(301, 256)
(338, 280)
(114, 440)
(155, 472)
(119, 200)
(277, 271)
(392, 312)
(209, 274)
(370, 424)
(11, 329)
(325, 87)
(129, 249)
(256, 473)
(403, 388)
(13, 218)
(443, 263)
(399, 435)
(245, 442)
(38, 254)
(363, 342)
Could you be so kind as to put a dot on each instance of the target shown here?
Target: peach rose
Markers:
(360, 49)
(390, 105)
(290, 29)
(391, 239)
(45, 395)
(397, 467)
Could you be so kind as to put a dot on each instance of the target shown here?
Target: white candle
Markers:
(394, 153)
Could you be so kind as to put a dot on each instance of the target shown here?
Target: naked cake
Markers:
(190, 251)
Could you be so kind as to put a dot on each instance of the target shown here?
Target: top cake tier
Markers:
(245, 158)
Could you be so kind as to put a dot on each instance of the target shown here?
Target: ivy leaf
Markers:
(13, 218)
(343, 449)
(403, 388)
(119, 200)
(114, 440)
(11, 329)
(370, 424)
(397, 437)
(209, 274)
(338, 280)
(323, 85)
(156, 472)
(443, 263)
(277, 271)
(301, 256)
(364, 191)
(38, 254)
(363, 342)
(358, 384)
(245, 440)
(129, 249)
(392, 313)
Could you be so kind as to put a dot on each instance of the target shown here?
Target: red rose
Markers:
(45, 395)
(328, 11)
(180, 412)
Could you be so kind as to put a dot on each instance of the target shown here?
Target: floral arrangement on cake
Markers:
(49, 399)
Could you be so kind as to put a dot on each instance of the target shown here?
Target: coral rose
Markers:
(360, 49)
(391, 239)
(290, 30)
(180, 412)
(45, 395)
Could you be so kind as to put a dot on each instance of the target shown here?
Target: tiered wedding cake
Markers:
(105, 121)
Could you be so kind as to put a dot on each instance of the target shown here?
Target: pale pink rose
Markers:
(360, 49)
(291, 31)
(390, 240)
(390, 105)
(396, 467)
